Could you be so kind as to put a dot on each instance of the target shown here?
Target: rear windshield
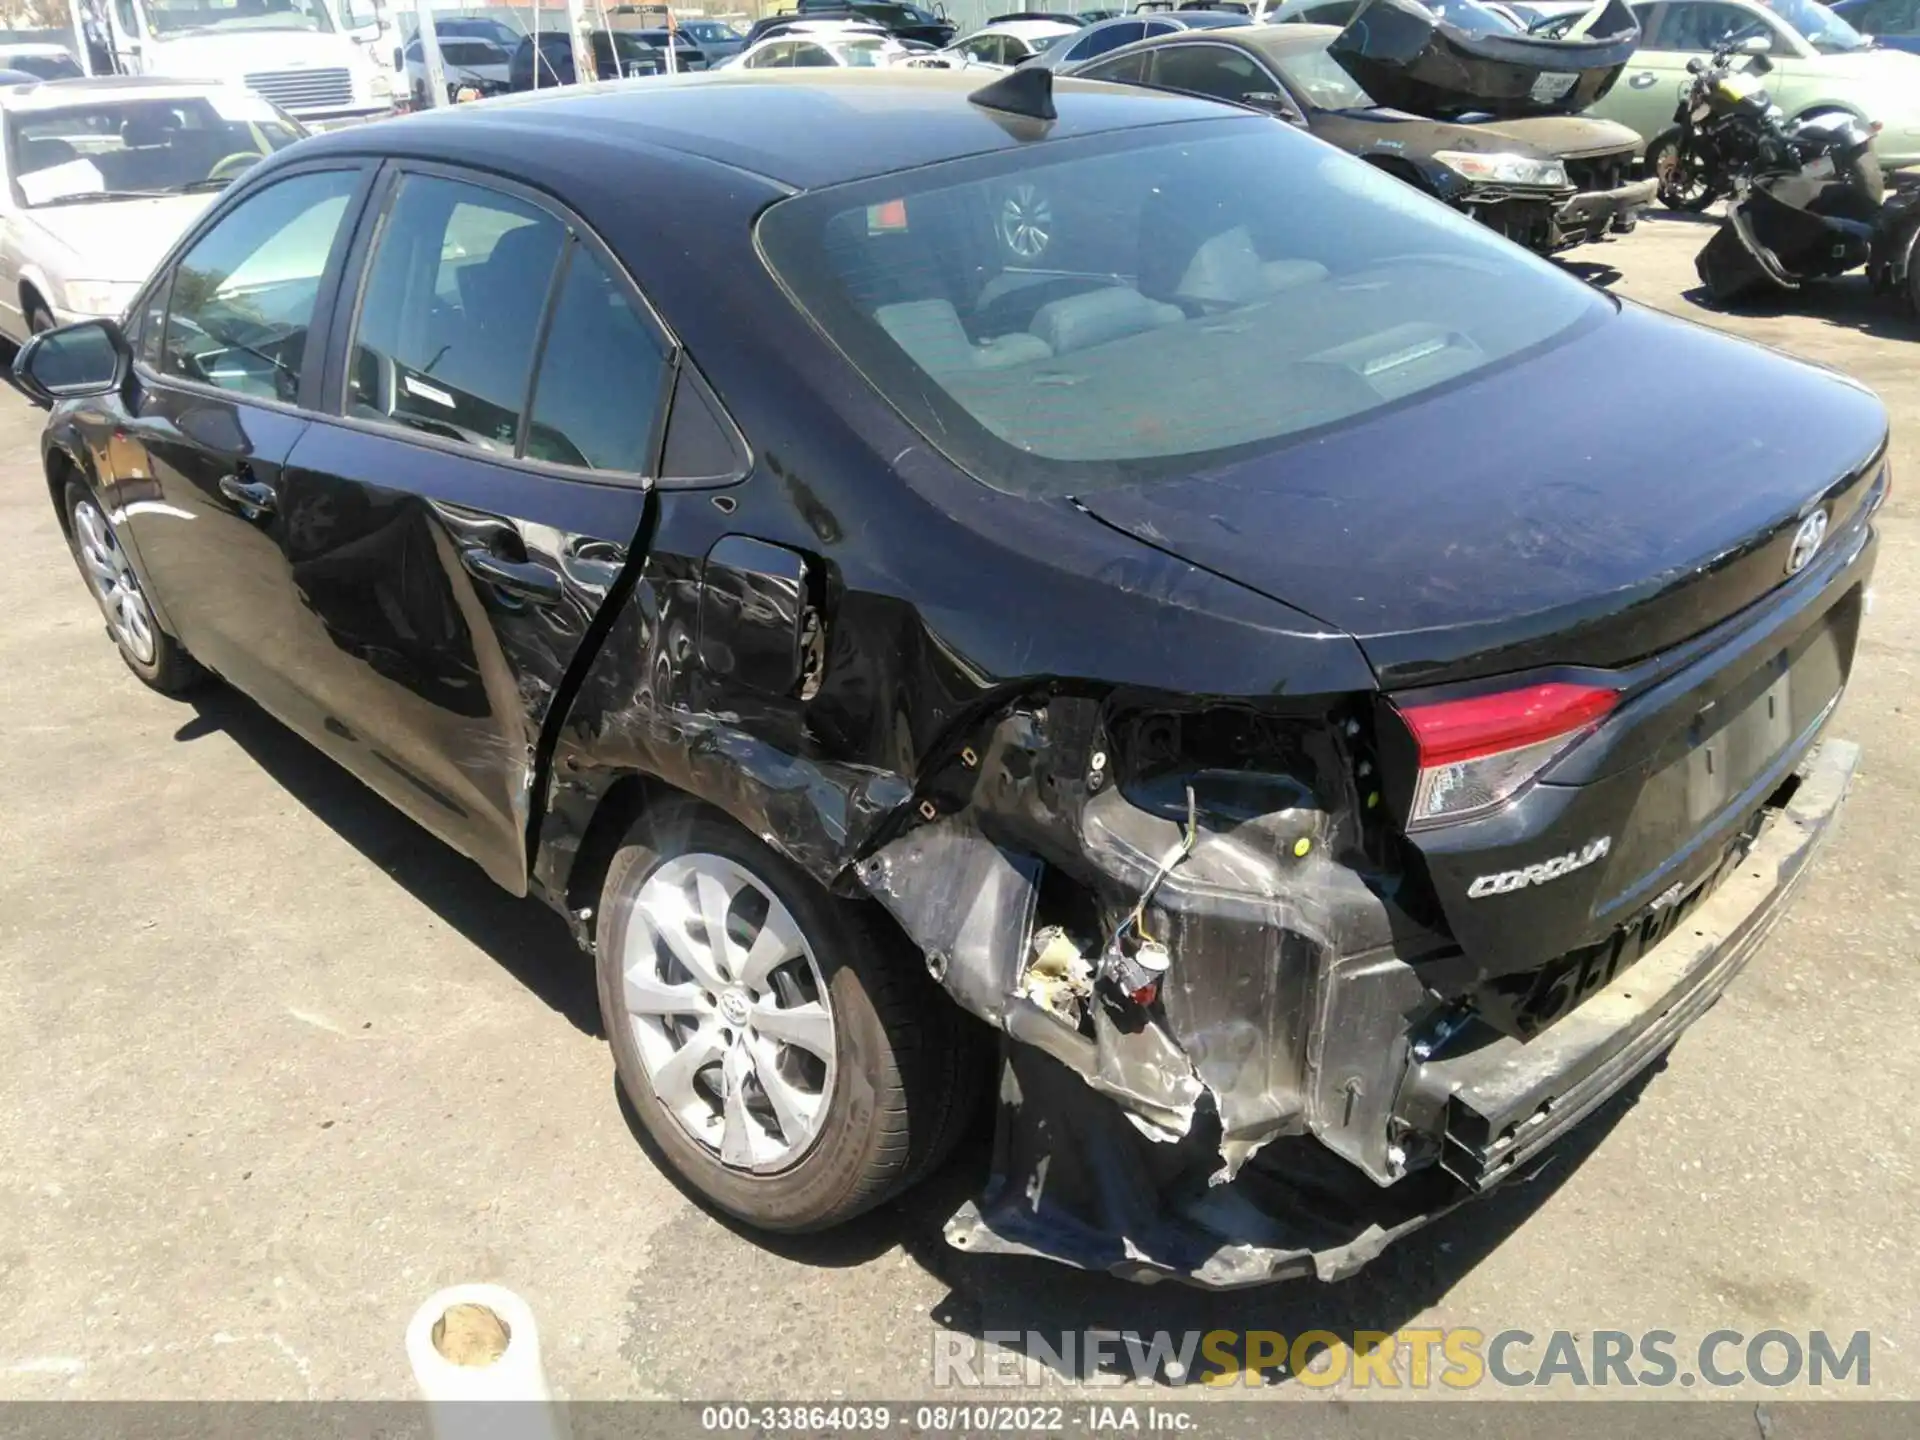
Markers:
(1105, 310)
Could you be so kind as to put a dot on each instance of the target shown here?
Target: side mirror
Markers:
(1696, 65)
(1277, 106)
(90, 358)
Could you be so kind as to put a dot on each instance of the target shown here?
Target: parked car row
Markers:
(900, 657)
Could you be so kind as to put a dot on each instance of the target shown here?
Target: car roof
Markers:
(801, 129)
(1279, 41)
(78, 90)
(1029, 29)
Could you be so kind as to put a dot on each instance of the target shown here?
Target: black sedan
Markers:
(1242, 667)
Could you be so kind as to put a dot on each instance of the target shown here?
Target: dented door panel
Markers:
(451, 595)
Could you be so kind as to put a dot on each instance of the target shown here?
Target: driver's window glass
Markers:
(1210, 70)
(1705, 27)
(243, 297)
(129, 20)
(811, 55)
(772, 57)
(450, 312)
(595, 340)
(1159, 27)
(1339, 14)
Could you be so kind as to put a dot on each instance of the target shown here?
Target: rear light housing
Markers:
(1476, 754)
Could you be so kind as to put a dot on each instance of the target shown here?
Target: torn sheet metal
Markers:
(1425, 61)
(1235, 892)
(1074, 1183)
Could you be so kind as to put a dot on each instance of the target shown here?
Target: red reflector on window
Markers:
(887, 215)
(1449, 731)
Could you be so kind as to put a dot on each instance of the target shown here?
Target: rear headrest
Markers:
(934, 339)
(511, 283)
(1079, 321)
(1225, 270)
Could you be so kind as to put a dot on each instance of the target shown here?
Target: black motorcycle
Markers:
(1808, 205)
(1715, 127)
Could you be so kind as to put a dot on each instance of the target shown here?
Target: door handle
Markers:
(252, 496)
(523, 579)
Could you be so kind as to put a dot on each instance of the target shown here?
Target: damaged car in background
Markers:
(1453, 99)
(1312, 800)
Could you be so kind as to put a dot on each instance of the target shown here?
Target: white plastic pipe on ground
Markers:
(475, 1352)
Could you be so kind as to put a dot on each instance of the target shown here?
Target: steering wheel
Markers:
(231, 166)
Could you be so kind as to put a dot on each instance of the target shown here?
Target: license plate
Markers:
(1551, 85)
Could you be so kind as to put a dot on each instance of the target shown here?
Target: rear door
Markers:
(454, 525)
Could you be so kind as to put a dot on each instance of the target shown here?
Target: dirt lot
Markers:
(276, 1066)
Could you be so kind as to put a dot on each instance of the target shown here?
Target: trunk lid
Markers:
(1464, 60)
(1634, 484)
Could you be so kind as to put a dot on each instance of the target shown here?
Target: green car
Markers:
(1819, 63)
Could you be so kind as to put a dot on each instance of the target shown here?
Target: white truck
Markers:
(319, 63)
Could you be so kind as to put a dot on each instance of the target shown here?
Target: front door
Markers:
(216, 409)
(456, 523)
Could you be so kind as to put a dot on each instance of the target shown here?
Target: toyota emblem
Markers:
(1806, 541)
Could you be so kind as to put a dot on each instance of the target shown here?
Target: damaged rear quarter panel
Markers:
(938, 597)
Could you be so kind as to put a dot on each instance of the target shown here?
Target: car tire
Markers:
(39, 316)
(152, 654)
(793, 1095)
(1677, 191)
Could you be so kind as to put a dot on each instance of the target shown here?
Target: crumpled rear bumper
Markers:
(1077, 1179)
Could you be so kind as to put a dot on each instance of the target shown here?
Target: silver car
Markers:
(103, 175)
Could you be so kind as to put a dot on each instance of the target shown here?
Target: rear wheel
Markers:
(152, 654)
(39, 315)
(784, 1049)
(1682, 185)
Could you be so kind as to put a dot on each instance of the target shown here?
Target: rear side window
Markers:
(242, 299)
(450, 313)
(1200, 291)
(600, 376)
(1212, 70)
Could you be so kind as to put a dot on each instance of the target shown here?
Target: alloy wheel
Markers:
(113, 583)
(1681, 186)
(1026, 222)
(729, 1012)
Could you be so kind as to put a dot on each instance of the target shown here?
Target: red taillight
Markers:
(1475, 753)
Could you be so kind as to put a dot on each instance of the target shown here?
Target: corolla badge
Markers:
(1505, 882)
(1806, 540)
